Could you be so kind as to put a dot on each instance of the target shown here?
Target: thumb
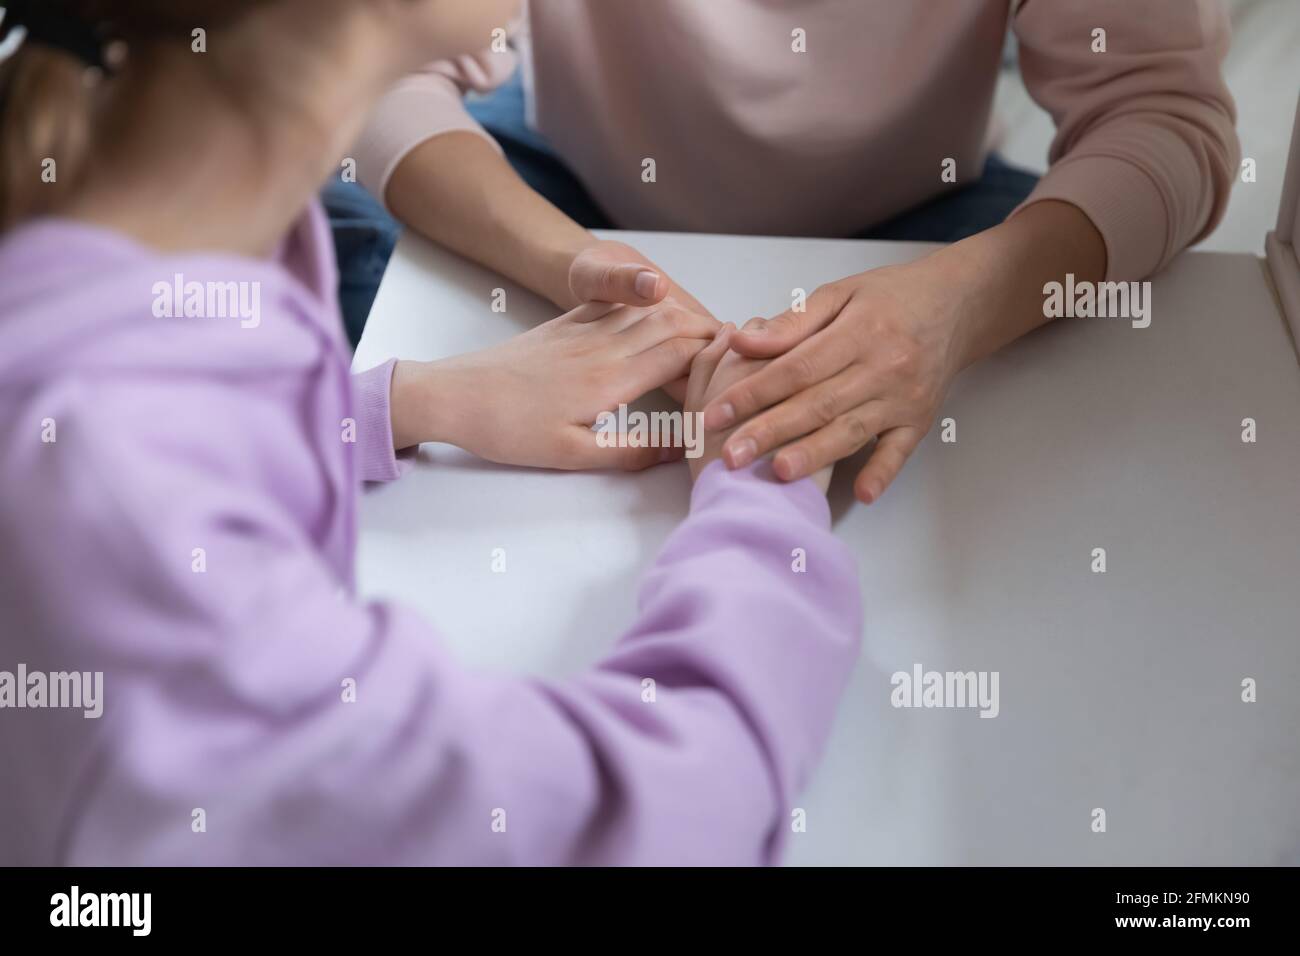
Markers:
(761, 338)
(593, 279)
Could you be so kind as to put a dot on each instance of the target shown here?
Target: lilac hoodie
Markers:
(178, 511)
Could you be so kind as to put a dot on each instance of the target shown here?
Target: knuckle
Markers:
(607, 277)
(904, 359)
(917, 394)
(856, 431)
(824, 294)
(763, 433)
(824, 408)
(803, 369)
(743, 398)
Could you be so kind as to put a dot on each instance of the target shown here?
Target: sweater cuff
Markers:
(374, 438)
(1124, 204)
(718, 483)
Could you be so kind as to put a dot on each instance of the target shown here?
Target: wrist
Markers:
(424, 402)
(961, 282)
(998, 275)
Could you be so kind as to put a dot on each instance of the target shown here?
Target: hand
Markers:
(713, 370)
(872, 355)
(533, 399)
(610, 271)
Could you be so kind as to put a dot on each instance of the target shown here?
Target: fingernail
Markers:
(646, 283)
(791, 465)
(754, 326)
(742, 452)
(719, 416)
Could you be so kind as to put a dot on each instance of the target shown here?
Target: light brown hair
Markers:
(46, 92)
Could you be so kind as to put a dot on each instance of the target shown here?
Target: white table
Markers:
(1119, 690)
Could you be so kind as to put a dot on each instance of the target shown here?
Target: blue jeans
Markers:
(364, 237)
(364, 234)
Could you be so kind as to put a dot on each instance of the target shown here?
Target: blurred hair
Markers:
(45, 89)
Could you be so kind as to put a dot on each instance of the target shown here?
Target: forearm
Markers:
(461, 193)
(1004, 269)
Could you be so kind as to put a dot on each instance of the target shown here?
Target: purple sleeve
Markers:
(310, 728)
(376, 458)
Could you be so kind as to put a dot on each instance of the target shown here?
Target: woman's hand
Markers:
(713, 370)
(533, 399)
(873, 355)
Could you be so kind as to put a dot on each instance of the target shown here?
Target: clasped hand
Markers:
(871, 357)
(532, 400)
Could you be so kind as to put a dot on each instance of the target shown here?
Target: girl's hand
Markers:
(872, 355)
(533, 399)
(713, 371)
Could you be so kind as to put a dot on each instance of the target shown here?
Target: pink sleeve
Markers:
(376, 459)
(1145, 142)
(422, 106)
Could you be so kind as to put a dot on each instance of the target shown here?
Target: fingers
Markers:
(592, 279)
(657, 366)
(765, 338)
(703, 367)
(664, 324)
(886, 461)
(810, 363)
(838, 439)
(799, 415)
(586, 450)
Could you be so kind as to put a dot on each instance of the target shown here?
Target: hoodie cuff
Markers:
(377, 460)
(718, 485)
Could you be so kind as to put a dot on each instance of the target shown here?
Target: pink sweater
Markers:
(750, 136)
